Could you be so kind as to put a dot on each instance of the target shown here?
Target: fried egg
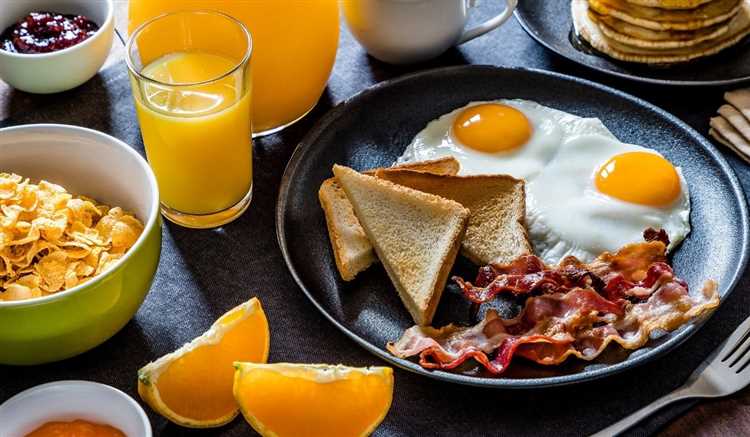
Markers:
(515, 137)
(586, 192)
(599, 194)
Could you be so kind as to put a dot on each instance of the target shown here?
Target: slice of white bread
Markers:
(351, 248)
(496, 231)
(416, 236)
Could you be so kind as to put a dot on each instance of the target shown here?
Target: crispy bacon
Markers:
(515, 284)
(652, 234)
(553, 327)
(572, 309)
(632, 273)
(538, 277)
(522, 265)
(632, 261)
(617, 287)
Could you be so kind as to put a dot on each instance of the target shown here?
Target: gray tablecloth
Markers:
(204, 273)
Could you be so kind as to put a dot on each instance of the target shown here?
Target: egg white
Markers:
(567, 215)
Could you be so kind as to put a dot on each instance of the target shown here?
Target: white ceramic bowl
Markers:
(62, 70)
(70, 400)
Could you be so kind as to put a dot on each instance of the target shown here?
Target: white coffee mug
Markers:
(405, 31)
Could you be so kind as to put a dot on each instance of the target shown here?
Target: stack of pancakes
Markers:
(661, 31)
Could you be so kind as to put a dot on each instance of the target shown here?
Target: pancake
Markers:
(644, 34)
(668, 41)
(670, 4)
(739, 27)
(707, 11)
(587, 29)
(665, 19)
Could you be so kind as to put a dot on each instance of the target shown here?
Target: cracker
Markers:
(730, 137)
(736, 119)
(723, 141)
(740, 99)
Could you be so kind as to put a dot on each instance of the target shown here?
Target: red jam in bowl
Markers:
(44, 32)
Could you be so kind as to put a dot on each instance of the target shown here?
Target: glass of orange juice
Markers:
(294, 49)
(191, 82)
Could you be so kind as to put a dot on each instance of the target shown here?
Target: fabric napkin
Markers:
(731, 127)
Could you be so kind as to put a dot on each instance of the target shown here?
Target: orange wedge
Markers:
(192, 386)
(313, 400)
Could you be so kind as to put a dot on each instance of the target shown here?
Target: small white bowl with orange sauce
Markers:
(66, 401)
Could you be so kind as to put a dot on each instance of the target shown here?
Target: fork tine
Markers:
(741, 361)
(736, 346)
(737, 339)
(739, 351)
(742, 365)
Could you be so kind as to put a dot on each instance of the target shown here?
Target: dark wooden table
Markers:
(727, 417)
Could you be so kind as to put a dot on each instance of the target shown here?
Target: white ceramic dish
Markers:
(64, 69)
(70, 400)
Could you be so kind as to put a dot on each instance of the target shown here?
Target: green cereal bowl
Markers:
(87, 162)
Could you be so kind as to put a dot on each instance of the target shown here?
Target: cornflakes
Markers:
(52, 241)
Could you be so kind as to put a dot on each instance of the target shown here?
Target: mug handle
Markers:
(491, 24)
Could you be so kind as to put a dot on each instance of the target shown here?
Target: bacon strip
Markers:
(545, 281)
(553, 327)
(614, 276)
(658, 273)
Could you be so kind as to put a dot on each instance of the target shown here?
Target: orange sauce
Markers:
(76, 428)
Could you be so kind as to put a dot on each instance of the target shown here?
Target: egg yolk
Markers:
(492, 128)
(639, 177)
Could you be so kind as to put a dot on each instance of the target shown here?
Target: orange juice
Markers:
(294, 47)
(197, 137)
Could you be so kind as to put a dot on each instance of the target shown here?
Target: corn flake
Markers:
(52, 241)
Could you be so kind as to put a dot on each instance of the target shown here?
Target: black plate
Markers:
(373, 128)
(550, 23)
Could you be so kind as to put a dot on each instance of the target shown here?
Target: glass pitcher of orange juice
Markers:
(294, 48)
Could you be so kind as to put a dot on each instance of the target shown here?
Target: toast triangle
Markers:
(416, 236)
(496, 230)
(352, 250)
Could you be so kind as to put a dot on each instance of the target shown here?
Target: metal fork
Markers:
(725, 371)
